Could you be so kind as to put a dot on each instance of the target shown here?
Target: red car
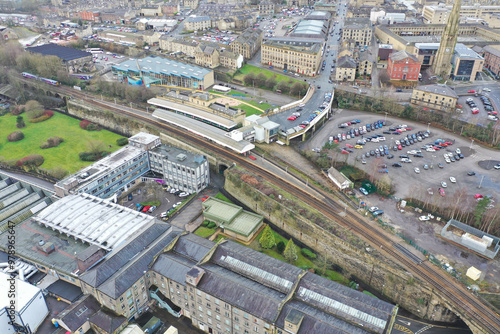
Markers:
(349, 145)
(252, 157)
(478, 196)
(448, 143)
(441, 192)
(146, 208)
(492, 112)
(408, 129)
(472, 91)
(459, 106)
(344, 152)
(475, 111)
(400, 147)
(292, 118)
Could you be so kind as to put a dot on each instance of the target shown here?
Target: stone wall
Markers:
(360, 260)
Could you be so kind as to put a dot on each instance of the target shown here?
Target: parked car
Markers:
(442, 192)
(452, 179)
(183, 194)
(443, 184)
(423, 218)
(417, 170)
(378, 213)
(471, 173)
(478, 196)
(177, 204)
(363, 191)
(146, 208)
(373, 209)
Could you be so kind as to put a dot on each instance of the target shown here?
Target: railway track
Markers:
(453, 290)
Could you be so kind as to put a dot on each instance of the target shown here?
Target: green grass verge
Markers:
(66, 154)
(219, 237)
(222, 197)
(249, 110)
(156, 203)
(204, 232)
(247, 69)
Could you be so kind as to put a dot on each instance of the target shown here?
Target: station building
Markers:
(166, 72)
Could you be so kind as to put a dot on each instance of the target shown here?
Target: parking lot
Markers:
(477, 109)
(407, 182)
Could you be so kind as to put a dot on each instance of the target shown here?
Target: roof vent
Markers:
(181, 157)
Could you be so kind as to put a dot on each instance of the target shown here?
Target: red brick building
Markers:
(89, 16)
(403, 66)
(491, 56)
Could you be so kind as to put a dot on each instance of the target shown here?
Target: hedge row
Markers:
(15, 136)
(307, 253)
(31, 160)
(122, 141)
(89, 126)
(52, 142)
(46, 115)
(92, 156)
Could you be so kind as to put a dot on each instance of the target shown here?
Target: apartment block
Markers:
(435, 97)
(358, 30)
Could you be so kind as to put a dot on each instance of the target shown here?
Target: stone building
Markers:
(293, 55)
(197, 23)
(435, 97)
(172, 44)
(346, 69)
(358, 30)
(247, 43)
(266, 8)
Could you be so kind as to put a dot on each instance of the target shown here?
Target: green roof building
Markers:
(232, 219)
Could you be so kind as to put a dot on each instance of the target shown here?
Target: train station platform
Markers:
(194, 113)
(207, 131)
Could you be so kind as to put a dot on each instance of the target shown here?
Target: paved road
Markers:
(412, 326)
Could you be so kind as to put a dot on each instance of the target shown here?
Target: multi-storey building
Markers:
(172, 44)
(438, 14)
(466, 63)
(358, 30)
(181, 169)
(403, 66)
(293, 55)
(247, 43)
(435, 97)
(116, 172)
(197, 23)
(266, 8)
(206, 55)
(346, 69)
(230, 60)
(491, 54)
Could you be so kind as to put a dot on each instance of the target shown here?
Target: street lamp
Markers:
(471, 142)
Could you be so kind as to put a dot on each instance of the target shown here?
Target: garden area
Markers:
(52, 141)
(249, 110)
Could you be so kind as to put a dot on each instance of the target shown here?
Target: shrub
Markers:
(45, 116)
(15, 136)
(89, 156)
(307, 253)
(36, 113)
(88, 125)
(281, 246)
(52, 142)
(205, 223)
(121, 141)
(31, 160)
(18, 110)
(20, 122)
(58, 173)
(212, 225)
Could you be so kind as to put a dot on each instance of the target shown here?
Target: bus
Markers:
(95, 50)
(221, 89)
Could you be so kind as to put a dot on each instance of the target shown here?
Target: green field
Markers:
(256, 70)
(66, 154)
(204, 232)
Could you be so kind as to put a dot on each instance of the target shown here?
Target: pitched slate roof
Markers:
(107, 321)
(126, 265)
(76, 314)
(438, 89)
(346, 62)
(402, 55)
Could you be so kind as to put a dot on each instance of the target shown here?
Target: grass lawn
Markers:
(249, 110)
(204, 232)
(66, 154)
(222, 197)
(269, 74)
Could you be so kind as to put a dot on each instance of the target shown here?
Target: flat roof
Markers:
(219, 136)
(174, 154)
(63, 52)
(245, 223)
(93, 220)
(221, 209)
(100, 167)
(160, 65)
(24, 292)
(222, 121)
